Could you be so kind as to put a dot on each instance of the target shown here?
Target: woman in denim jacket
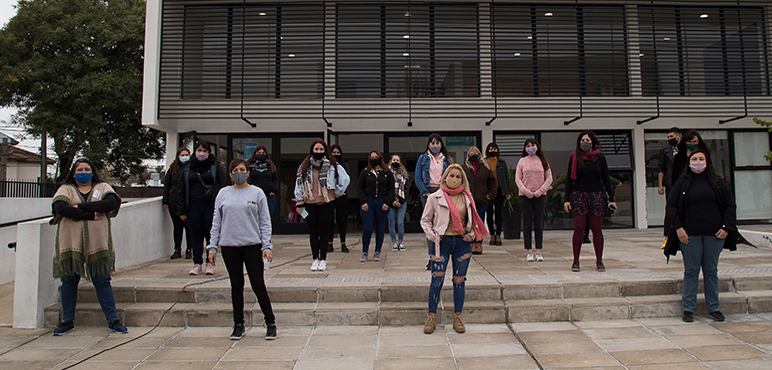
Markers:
(428, 172)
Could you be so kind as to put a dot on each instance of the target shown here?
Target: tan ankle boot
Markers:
(458, 324)
(479, 248)
(431, 322)
(493, 240)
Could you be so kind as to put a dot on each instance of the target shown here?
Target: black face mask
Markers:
(474, 158)
(318, 156)
(395, 164)
(493, 154)
(337, 157)
(261, 157)
(375, 161)
(673, 142)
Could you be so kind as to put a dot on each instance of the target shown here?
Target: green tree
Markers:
(768, 125)
(73, 68)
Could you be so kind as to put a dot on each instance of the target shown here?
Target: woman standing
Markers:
(702, 210)
(242, 227)
(503, 191)
(262, 173)
(533, 177)
(691, 141)
(589, 194)
(376, 193)
(171, 182)
(398, 205)
(482, 186)
(318, 181)
(451, 223)
(341, 205)
(428, 173)
(83, 207)
(202, 180)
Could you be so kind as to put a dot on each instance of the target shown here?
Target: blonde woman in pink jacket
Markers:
(533, 178)
(451, 222)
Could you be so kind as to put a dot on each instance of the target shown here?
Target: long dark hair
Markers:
(382, 166)
(176, 164)
(488, 148)
(709, 169)
(578, 150)
(307, 162)
(539, 153)
(204, 144)
(70, 179)
(688, 136)
(253, 157)
(443, 150)
(336, 146)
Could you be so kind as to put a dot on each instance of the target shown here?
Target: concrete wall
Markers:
(23, 209)
(7, 256)
(141, 233)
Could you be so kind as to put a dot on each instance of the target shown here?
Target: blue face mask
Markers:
(83, 178)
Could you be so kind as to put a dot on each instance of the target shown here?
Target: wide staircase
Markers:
(501, 287)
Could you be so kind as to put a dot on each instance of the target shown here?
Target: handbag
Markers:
(208, 189)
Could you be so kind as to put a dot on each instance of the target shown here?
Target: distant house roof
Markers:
(21, 155)
(11, 140)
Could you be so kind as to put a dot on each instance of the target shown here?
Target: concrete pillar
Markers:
(34, 287)
(639, 176)
(172, 144)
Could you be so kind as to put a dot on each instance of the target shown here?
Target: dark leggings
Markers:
(341, 205)
(252, 257)
(533, 211)
(318, 220)
(179, 227)
(596, 224)
(199, 219)
(495, 208)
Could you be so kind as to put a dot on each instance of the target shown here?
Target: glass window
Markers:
(655, 203)
(718, 143)
(243, 147)
(754, 200)
(750, 148)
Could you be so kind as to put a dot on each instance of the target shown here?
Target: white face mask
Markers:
(452, 182)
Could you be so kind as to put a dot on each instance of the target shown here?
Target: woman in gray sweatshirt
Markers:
(242, 227)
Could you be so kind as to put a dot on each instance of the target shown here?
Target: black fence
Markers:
(26, 189)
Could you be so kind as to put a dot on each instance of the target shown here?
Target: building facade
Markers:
(383, 75)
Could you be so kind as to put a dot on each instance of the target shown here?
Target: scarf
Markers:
(586, 156)
(304, 182)
(475, 167)
(201, 166)
(259, 165)
(399, 184)
(455, 216)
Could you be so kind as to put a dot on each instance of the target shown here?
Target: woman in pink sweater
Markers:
(533, 178)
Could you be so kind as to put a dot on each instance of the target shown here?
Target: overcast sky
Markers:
(7, 12)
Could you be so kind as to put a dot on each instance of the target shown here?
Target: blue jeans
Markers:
(104, 293)
(271, 204)
(481, 208)
(397, 223)
(701, 252)
(462, 252)
(373, 219)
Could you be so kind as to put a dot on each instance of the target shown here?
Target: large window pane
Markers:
(750, 148)
(754, 200)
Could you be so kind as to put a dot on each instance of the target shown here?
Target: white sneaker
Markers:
(209, 269)
(401, 247)
(196, 270)
(315, 265)
(322, 265)
(529, 258)
(395, 247)
(539, 258)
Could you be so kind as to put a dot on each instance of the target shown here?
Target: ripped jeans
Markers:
(462, 252)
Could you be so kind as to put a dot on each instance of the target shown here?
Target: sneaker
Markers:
(529, 258)
(188, 255)
(238, 331)
(195, 270)
(575, 266)
(364, 258)
(539, 258)
(401, 247)
(209, 269)
(599, 266)
(718, 316)
(64, 328)
(117, 327)
(270, 331)
(176, 255)
(322, 265)
(377, 256)
(315, 265)
(688, 316)
(343, 248)
(395, 247)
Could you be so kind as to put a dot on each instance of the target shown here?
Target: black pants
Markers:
(179, 227)
(533, 212)
(235, 259)
(341, 205)
(318, 220)
(495, 217)
(199, 219)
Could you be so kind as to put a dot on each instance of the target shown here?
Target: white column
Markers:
(34, 286)
(151, 73)
(639, 174)
(172, 143)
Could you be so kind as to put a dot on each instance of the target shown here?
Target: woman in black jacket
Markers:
(341, 204)
(503, 192)
(201, 181)
(702, 211)
(171, 180)
(262, 173)
(376, 192)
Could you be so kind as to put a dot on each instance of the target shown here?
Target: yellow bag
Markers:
(664, 243)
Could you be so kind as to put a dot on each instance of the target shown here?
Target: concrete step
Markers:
(392, 313)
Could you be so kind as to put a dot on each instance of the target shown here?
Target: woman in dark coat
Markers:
(171, 182)
(262, 173)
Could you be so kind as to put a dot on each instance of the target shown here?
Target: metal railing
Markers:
(26, 189)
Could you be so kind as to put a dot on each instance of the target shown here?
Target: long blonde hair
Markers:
(402, 169)
(479, 153)
(456, 166)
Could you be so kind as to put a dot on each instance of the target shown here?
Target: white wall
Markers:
(23, 209)
(7, 256)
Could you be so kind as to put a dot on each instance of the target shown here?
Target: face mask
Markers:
(318, 156)
(261, 157)
(692, 147)
(435, 149)
(202, 156)
(673, 142)
(184, 158)
(493, 154)
(337, 157)
(474, 158)
(239, 177)
(83, 178)
(698, 167)
(585, 147)
(452, 182)
(395, 164)
(375, 161)
(533, 150)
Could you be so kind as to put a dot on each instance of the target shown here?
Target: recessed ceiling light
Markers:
(548, 14)
(406, 37)
(405, 54)
(517, 54)
(530, 37)
(640, 55)
(291, 55)
(261, 14)
(667, 38)
(703, 16)
(407, 14)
